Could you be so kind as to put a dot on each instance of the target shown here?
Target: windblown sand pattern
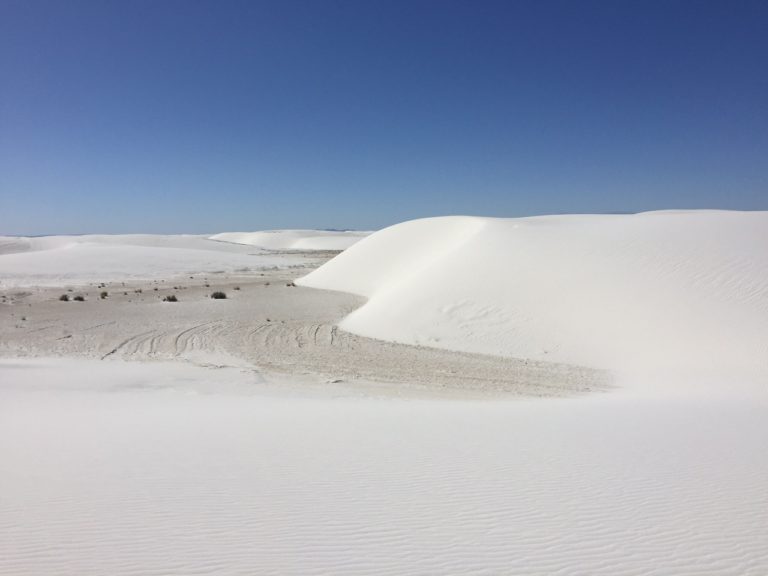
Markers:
(152, 470)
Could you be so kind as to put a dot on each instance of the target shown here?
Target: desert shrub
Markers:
(218, 295)
(171, 298)
(103, 295)
(236, 288)
(79, 298)
(64, 298)
(291, 285)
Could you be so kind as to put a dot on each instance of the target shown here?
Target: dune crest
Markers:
(305, 240)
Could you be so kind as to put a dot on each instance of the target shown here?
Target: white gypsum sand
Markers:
(68, 260)
(265, 321)
(262, 462)
(294, 239)
(660, 292)
(129, 468)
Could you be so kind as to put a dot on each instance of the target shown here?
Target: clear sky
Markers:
(190, 116)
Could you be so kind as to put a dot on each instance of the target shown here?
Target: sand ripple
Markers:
(151, 482)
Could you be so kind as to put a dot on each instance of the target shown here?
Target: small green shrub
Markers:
(218, 296)
(103, 295)
(79, 298)
(64, 298)
(171, 298)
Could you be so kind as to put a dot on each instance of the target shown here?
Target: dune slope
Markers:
(678, 292)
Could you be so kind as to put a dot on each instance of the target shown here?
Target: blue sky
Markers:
(163, 116)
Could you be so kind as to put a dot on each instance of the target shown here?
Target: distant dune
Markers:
(294, 239)
(57, 260)
(673, 291)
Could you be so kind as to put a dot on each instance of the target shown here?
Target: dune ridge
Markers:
(294, 239)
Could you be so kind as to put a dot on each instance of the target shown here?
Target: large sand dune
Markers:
(672, 292)
(252, 435)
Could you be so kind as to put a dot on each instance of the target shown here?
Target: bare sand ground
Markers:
(265, 324)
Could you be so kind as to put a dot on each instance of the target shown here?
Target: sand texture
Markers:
(267, 325)
(150, 468)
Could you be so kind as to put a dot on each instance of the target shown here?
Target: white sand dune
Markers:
(305, 240)
(59, 260)
(152, 468)
(663, 292)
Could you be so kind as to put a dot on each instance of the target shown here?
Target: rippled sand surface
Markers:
(132, 468)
